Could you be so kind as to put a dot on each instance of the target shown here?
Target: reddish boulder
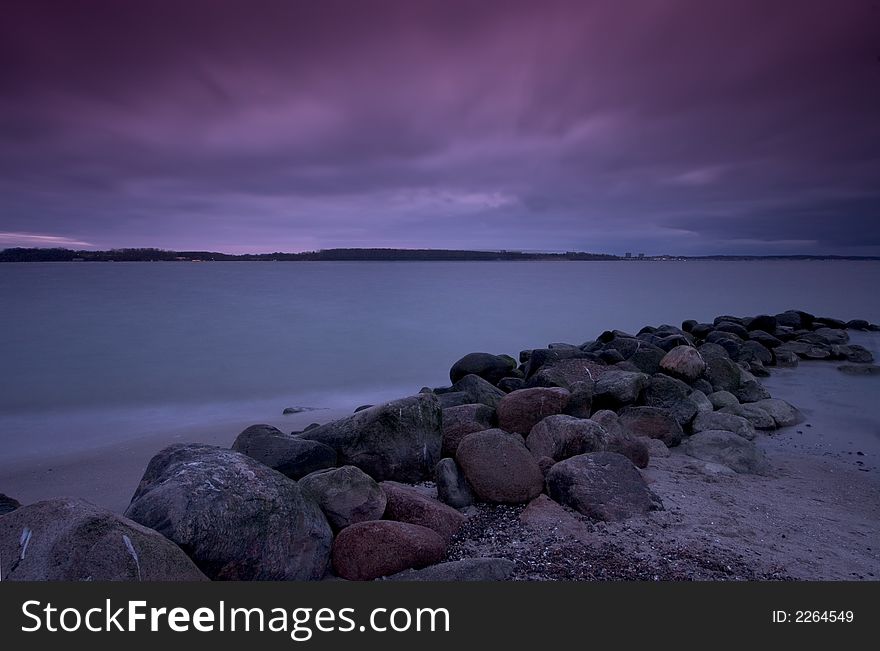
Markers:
(499, 467)
(462, 420)
(519, 411)
(368, 550)
(408, 504)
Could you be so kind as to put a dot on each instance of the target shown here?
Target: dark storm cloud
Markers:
(677, 126)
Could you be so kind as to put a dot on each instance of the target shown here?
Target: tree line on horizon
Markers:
(20, 254)
(351, 254)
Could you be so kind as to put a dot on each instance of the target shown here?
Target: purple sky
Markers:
(663, 126)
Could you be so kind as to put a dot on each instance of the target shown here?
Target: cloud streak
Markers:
(681, 126)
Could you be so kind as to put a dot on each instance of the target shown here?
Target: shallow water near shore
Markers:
(112, 361)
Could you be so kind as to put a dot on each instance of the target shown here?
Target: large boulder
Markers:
(672, 396)
(728, 449)
(602, 485)
(566, 372)
(452, 487)
(718, 420)
(72, 540)
(346, 495)
(621, 440)
(236, 518)
(763, 322)
(521, 410)
(683, 362)
(864, 370)
(616, 388)
(651, 422)
(408, 504)
(467, 569)
(701, 401)
(369, 550)
(721, 399)
(758, 417)
(647, 358)
(499, 467)
(288, 454)
(540, 357)
(460, 421)
(398, 440)
(751, 391)
(832, 336)
(580, 402)
(765, 339)
(476, 389)
(782, 413)
(8, 504)
(852, 353)
(722, 373)
(560, 437)
(491, 368)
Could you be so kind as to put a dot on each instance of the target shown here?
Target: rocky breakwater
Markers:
(385, 491)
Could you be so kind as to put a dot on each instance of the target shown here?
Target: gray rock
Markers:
(718, 420)
(448, 399)
(832, 336)
(346, 495)
(560, 437)
(476, 389)
(467, 569)
(683, 362)
(721, 399)
(8, 504)
(763, 322)
(491, 368)
(729, 449)
(752, 350)
(764, 338)
(651, 422)
(701, 401)
(657, 448)
(751, 391)
(567, 372)
(452, 487)
(722, 373)
(290, 455)
(72, 540)
(399, 440)
(580, 402)
(509, 384)
(673, 396)
(499, 468)
(758, 417)
(853, 353)
(786, 358)
(617, 388)
(460, 421)
(647, 358)
(861, 369)
(236, 518)
(601, 485)
(782, 412)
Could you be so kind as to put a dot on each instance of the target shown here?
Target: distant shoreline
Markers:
(377, 255)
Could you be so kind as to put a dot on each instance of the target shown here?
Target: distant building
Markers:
(628, 255)
(641, 256)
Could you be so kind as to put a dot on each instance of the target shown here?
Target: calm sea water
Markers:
(95, 353)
